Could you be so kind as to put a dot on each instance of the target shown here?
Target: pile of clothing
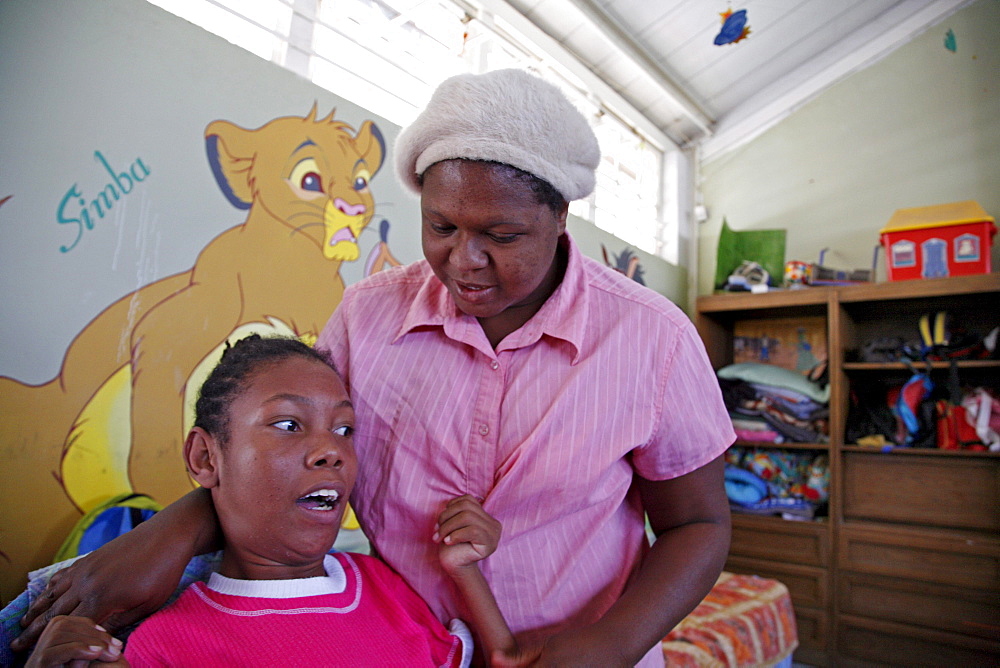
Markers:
(792, 484)
(924, 413)
(771, 404)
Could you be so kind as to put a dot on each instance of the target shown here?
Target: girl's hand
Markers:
(465, 534)
(75, 641)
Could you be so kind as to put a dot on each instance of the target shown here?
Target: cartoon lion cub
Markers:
(114, 419)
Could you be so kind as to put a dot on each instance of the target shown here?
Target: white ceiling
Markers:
(659, 56)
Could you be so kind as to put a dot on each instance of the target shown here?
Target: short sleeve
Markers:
(693, 426)
(458, 629)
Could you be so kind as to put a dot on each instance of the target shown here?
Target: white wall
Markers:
(131, 81)
(920, 127)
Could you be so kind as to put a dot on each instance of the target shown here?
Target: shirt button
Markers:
(494, 365)
(484, 429)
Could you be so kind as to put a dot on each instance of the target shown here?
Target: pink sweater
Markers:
(361, 614)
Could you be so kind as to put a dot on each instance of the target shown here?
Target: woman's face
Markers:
(489, 241)
(286, 472)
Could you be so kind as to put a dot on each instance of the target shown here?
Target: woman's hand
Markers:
(690, 517)
(116, 585)
(465, 534)
(132, 576)
(75, 641)
(577, 647)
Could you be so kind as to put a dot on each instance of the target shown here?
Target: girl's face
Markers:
(286, 473)
(489, 241)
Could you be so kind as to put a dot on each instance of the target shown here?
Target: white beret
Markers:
(507, 116)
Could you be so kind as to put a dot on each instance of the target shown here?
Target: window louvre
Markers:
(391, 55)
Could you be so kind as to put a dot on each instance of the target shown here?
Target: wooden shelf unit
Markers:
(906, 568)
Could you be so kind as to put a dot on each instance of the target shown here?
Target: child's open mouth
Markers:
(321, 499)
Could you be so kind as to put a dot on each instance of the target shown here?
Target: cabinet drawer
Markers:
(951, 558)
(780, 540)
(863, 642)
(812, 627)
(946, 608)
(951, 492)
(807, 585)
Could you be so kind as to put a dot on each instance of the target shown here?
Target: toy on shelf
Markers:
(750, 276)
(936, 241)
(799, 274)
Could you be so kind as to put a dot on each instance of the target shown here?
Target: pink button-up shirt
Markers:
(608, 379)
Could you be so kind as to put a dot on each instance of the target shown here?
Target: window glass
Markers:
(392, 54)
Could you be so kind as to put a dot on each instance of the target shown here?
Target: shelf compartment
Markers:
(720, 316)
(891, 310)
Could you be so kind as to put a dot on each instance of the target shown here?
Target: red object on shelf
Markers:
(937, 241)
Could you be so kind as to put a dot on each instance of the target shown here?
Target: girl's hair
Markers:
(239, 363)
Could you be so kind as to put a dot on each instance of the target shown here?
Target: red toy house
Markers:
(935, 241)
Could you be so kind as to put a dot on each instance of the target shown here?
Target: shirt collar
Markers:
(334, 582)
(563, 315)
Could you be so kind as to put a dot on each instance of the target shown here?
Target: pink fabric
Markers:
(606, 380)
(377, 621)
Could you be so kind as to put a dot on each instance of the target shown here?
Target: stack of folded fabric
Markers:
(770, 404)
(775, 482)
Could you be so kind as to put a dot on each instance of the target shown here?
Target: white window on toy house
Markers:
(388, 56)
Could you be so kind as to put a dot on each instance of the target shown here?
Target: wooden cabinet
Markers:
(905, 570)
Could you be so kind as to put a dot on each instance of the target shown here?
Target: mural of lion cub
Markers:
(114, 419)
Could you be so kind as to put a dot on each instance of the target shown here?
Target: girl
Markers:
(272, 441)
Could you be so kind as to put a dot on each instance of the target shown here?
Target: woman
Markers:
(507, 366)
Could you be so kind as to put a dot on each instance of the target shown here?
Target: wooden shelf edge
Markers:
(901, 366)
(782, 446)
(848, 294)
(745, 301)
(921, 289)
(917, 452)
(815, 525)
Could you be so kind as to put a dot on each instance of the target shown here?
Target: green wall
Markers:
(920, 127)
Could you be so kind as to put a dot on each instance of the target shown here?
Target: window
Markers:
(392, 54)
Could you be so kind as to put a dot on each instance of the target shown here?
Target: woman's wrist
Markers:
(189, 524)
